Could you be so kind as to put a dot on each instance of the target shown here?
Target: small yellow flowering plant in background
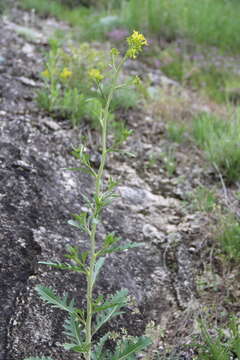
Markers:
(68, 78)
(95, 75)
(67, 86)
(135, 44)
(65, 74)
(45, 74)
(83, 325)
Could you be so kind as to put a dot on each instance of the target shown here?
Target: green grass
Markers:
(212, 22)
(206, 127)
(169, 162)
(204, 199)
(220, 140)
(88, 23)
(229, 237)
(55, 8)
(224, 345)
(199, 72)
(176, 132)
(212, 82)
(125, 99)
(85, 20)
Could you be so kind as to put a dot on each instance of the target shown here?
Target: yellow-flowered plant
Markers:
(135, 44)
(65, 74)
(45, 74)
(82, 325)
(95, 75)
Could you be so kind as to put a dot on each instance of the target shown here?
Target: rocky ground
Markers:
(38, 196)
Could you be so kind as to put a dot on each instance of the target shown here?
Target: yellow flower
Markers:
(135, 43)
(137, 81)
(46, 74)
(114, 52)
(65, 74)
(95, 74)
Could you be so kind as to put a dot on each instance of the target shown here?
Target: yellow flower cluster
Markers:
(65, 74)
(46, 74)
(135, 43)
(114, 52)
(137, 81)
(95, 74)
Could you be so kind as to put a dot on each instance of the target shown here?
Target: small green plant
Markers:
(220, 141)
(151, 161)
(169, 162)
(225, 345)
(174, 64)
(211, 81)
(82, 325)
(205, 126)
(229, 237)
(176, 132)
(204, 199)
(125, 99)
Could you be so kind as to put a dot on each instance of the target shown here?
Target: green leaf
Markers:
(98, 354)
(75, 224)
(111, 239)
(78, 348)
(113, 307)
(112, 184)
(80, 221)
(97, 268)
(213, 347)
(38, 358)
(87, 201)
(84, 256)
(64, 266)
(129, 347)
(235, 336)
(105, 306)
(51, 298)
(73, 329)
(78, 258)
(119, 248)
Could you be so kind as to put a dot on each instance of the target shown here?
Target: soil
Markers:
(38, 196)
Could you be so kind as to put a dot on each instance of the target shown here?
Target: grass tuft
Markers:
(229, 237)
(225, 345)
(220, 139)
(176, 132)
(204, 199)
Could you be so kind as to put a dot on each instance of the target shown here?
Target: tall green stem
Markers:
(98, 188)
